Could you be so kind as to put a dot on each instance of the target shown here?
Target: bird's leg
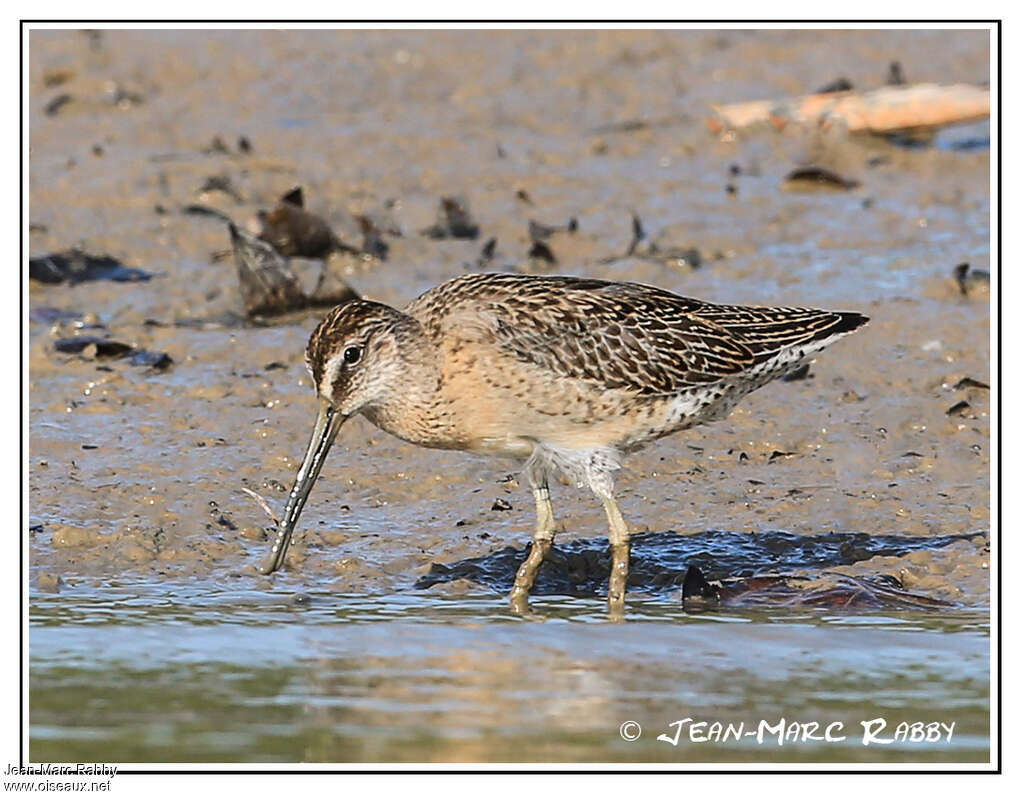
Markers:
(618, 536)
(543, 537)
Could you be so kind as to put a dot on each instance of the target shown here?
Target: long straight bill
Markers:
(328, 422)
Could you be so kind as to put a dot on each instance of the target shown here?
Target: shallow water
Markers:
(152, 639)
(147, 674)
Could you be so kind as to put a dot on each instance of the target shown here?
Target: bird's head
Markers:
(356, 359)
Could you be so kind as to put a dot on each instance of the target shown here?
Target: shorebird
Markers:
(565, 374)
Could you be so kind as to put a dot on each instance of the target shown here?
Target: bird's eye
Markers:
(352, 355)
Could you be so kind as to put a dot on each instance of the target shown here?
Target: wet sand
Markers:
(136, 473)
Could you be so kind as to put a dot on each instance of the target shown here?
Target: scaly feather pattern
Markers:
(627, 335)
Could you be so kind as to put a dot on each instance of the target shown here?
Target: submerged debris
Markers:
(453, 220)
(74, 266)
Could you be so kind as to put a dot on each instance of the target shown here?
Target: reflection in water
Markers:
(238, 677)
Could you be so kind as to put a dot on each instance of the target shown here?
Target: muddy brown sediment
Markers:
(140, 471)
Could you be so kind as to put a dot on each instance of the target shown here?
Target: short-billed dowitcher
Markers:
(566, 374)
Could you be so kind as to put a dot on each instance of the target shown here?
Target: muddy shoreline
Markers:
(867, 441)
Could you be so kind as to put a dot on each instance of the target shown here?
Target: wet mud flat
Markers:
(873, 468)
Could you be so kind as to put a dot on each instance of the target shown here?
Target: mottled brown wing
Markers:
(622, 336)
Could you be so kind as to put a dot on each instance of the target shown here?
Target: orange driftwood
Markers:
(887, 110)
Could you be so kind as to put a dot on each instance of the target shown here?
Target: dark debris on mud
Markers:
(95, 347)
(659, 562)
(453, 220)
(829, 591)
(74, 266)
(269, 287)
